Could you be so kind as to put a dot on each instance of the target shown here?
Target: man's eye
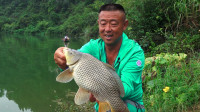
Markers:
(103, 23)
(114, 24)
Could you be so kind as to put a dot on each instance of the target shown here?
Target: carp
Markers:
(93, 77)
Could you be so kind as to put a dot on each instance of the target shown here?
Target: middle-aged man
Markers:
(114, 48)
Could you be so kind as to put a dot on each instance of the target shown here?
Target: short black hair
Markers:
(112, 7)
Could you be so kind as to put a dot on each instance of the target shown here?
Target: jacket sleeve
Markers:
(131, 76)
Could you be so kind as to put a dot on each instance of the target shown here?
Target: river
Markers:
(28, 73)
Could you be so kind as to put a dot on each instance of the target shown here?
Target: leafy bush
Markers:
(9, 27)
(151, 20)
(174, 86)
(157, 64)
(182, 42)
(77, 22)
(42, 25)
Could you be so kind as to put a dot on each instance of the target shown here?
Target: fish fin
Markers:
(82, 96)
(104, 107)
(108, 66)
(117, 78)
(65, 76)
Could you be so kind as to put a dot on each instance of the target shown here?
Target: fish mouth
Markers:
(66, 49)
(72, 56)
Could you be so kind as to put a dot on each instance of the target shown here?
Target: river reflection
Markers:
(6, 104)
(28, 72)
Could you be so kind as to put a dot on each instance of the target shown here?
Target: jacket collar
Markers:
(126, 46)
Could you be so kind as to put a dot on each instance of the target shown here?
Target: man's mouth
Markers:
(108, 36)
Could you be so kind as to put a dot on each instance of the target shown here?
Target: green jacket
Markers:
(128, 64)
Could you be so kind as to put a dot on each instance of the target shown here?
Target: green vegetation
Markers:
(177, 72)
(151, 22)
(164, 29)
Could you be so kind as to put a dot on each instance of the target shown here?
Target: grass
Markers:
(67, 104)
(182, 78)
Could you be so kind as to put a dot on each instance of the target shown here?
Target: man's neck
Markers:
(113, 48)
(112, 52)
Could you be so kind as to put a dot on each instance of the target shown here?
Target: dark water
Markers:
(28, 73)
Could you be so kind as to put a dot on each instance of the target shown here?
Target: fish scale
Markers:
(85, 68)
(93, 76)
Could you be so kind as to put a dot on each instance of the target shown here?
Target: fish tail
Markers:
(105, 107)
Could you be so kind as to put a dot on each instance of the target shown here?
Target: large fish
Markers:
(93, 76)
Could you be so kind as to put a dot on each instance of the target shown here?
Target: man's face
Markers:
(111, 26)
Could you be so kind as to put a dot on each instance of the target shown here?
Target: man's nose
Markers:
(108, 27)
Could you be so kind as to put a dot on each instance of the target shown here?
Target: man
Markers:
(114, 48)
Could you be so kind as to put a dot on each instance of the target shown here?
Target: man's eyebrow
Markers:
(102, 20)
(106, 20)
(113, 20)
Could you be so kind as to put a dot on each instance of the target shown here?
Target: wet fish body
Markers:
(93, 76)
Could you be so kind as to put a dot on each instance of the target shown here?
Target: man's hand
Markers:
(59, 58)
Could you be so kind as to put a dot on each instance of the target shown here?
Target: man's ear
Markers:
(125, 24)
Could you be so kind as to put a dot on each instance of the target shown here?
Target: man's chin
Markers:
(109, 43)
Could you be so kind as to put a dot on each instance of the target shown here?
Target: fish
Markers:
(93, 77)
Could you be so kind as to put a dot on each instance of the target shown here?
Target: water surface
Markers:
(28, 73)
